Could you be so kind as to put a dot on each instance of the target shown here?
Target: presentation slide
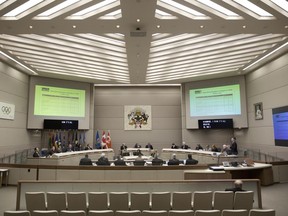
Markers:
(56, 101)
(215, 101)
(280, 124)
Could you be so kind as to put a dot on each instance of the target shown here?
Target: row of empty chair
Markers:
(198, 200)
(225, 212)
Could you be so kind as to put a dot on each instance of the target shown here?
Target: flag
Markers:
(108, 140)
(103, 140)
(98, 141)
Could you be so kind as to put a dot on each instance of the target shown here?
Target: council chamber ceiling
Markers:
(141, 41)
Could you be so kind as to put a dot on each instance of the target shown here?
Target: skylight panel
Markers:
(22, 8)
(254, 8)
(94, 7)
(218, 7)
(182, 7)
(58, 7)
(282, 4)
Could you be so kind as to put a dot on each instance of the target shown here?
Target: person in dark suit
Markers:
(103, 160)
(85, 161)
(149, 145)
(233, 146)
(184, 146)
(199, 147)
(36, 152)
(190, 160)
(157, 161)
(174, 146)
(119, 162)
(174, 160)
(237, 186)
(137, 145)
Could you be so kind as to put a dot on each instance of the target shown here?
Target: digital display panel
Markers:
(280, 125)
(215, 123)
(56, 101)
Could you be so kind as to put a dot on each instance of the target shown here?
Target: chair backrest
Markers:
(234, 212)
(154, 213)
(181, 200)
(72, 213)
(119, 201)
(181, 213)
(76, 201)
(17, 213)
(243, 200)
(161, 201)
(207, 213)
(262, 212)
(98, 200)
(56, 201)
(100, 213)
(45, 213)
(128, 213)
(35, 201)
(202, 200)
(140, 201)
(223, 200)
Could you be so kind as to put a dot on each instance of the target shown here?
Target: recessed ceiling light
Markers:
(286, 27)
(30, 26)
(117, 26)
(74, 26)
(158, 26)
(202, 26)
(138, 20)
(244, 26)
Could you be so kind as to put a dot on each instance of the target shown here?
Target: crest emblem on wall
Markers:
(137, 117)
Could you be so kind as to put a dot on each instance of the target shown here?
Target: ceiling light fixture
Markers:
(282, 46)
(19, 63)
(24, 7)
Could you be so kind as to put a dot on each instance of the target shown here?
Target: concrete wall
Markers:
(165, 109)
(14, 90)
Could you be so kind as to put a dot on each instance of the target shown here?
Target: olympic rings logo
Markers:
(6, 110)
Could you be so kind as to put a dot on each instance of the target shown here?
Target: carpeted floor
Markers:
(274, 196)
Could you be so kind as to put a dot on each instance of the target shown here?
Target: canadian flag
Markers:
(108, 140)
(103, 141)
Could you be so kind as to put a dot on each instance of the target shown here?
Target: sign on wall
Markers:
(137, 117)
(7, 111)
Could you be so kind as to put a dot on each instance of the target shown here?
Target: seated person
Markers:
(139, 161)
(137, 153)
(137, 145)
(190, 160)
(174, 146)
(184, 146)
(85, 161)
(214, 148)
(119, 161)
(149, 145)
(157, 161)
(174, 160)
(123, 150)
(237, 186)
(103, 160)
(226, 149)
(199, 147)
(88, 147)
(36, 152)
(52, 151)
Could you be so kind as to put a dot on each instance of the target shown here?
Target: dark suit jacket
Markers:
(173, 162)
(157, 161)
(119, 163)
(103, 161)
(191, 162)
(85, 161)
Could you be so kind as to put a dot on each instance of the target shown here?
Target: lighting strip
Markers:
(219, 8)
(252, 7)
(19, 63)
(282, 46)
